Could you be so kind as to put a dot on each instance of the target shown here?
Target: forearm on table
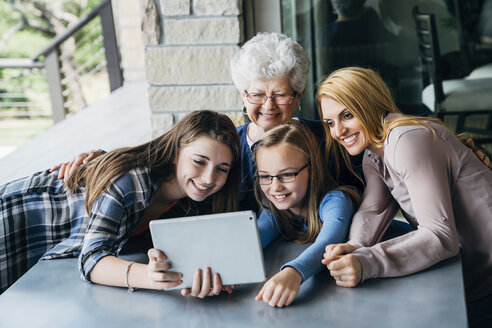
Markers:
(333, 231)
(335, 212)
(406, 254)
(111, 271)
(309, 262)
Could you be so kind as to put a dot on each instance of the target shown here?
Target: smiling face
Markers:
(281, 159)
(270, 115)
(344, 127)
(202, 167)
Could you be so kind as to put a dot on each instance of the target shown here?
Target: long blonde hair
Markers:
(365, 95)
(159, 155)
(320, 182)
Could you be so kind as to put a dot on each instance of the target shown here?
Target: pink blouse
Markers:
(442, 189)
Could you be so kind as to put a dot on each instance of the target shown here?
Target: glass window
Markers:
(379, 34)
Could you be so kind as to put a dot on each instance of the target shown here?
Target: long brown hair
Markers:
(365, 95)
(159, 155)
(320, 182)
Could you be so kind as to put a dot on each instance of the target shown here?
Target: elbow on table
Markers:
(443, 242)
(84, 270)
(454, 250)
(450, 247)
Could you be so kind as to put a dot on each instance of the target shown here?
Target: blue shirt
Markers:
(335, 211)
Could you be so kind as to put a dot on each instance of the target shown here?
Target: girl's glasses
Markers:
(283, 177)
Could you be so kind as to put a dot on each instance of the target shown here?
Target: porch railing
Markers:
(49, 59)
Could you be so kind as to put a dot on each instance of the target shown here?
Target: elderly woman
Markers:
(270, 72)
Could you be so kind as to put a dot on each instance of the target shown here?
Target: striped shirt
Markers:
(39, 219)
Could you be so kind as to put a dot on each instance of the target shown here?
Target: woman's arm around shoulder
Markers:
(66, 169)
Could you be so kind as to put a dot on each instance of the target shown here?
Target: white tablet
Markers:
(228, 243)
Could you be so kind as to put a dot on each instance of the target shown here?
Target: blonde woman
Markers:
(114, 197)
(416, 165)
(301, 202)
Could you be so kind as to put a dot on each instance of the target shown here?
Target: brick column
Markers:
(188, 68)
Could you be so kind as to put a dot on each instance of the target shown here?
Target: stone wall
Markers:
(189, 44)
(127, 18)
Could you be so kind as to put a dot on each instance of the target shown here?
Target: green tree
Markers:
(28, 26)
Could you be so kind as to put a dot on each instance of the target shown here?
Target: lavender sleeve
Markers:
(377, 209)
(423, 164)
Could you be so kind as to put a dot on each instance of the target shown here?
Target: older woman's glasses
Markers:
(283, 177)
(278, 98)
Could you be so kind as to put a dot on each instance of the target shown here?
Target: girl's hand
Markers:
(347, 270)
(202, 288)
(282, 288)
(66, 169)
(158, 275)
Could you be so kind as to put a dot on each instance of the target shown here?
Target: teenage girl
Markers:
(115, 196)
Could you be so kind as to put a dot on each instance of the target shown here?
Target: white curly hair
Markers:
(270, 56)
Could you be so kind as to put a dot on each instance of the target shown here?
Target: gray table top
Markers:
(52, 294)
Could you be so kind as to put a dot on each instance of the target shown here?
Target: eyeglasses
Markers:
(278, 99)
(283, 177)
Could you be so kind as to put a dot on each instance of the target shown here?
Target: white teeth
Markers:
(199, 186)
(350, 139)
(279, 197)
(268, 115)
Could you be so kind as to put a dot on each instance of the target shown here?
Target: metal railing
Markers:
(50, 60)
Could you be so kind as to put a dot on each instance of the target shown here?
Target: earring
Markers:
(300, 109)
(245, 112)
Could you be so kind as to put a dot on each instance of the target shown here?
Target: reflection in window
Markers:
(369, 33)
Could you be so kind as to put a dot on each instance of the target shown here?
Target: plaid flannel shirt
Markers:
(40, 220)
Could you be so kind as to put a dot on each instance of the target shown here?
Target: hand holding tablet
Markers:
(228, 243)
